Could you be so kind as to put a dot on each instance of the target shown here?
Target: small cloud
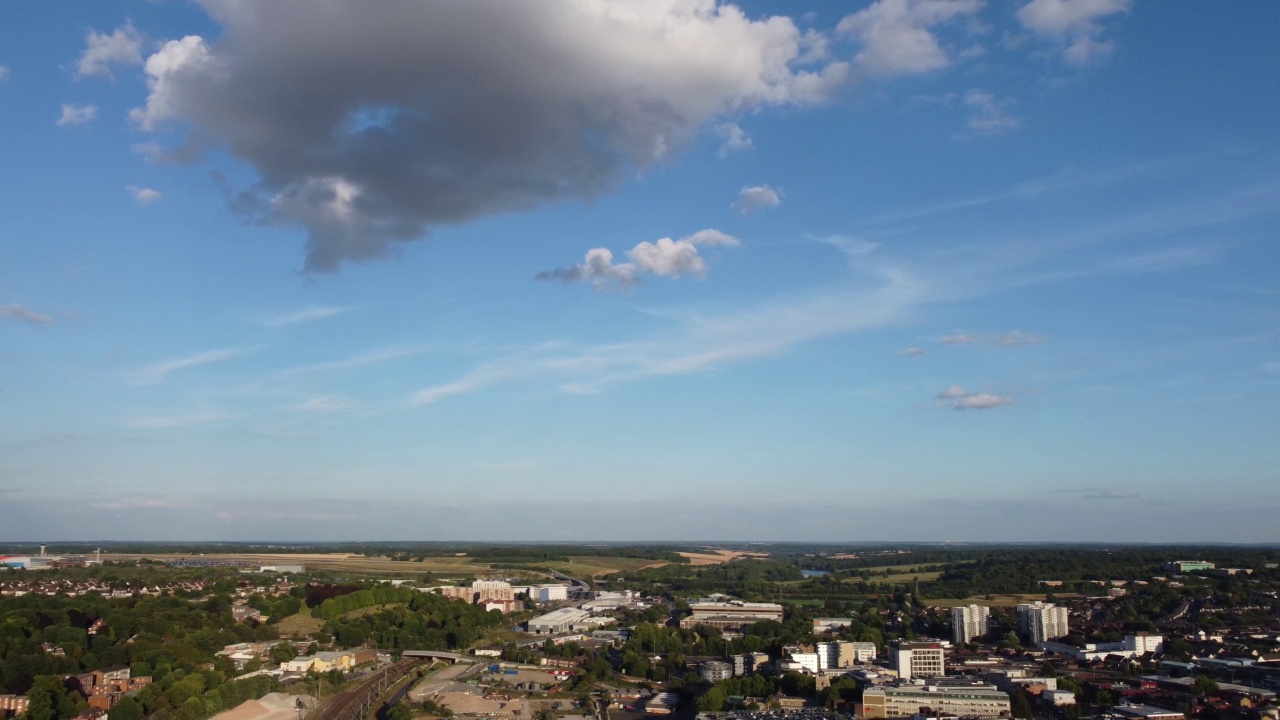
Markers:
(958, 398)
(911, 352)
(981, 401)
(143, 196)
(1074, 25)
(756, 197)
(664, 258)
(74, 115)
(305, 315)
(25, 314)
(1009, 339)
(101, 51)
(989, 115)
(156, 373)
(975, 50)
(896, 35)
(4, 74)
(733, 139)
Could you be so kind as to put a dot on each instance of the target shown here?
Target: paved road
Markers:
(443, 679)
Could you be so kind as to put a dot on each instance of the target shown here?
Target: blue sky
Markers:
(893, 270)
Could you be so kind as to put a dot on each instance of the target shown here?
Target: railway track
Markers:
(354, 703)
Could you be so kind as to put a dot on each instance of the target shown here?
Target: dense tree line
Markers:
(413, 620)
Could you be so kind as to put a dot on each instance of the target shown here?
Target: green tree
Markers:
(126, 709)
(1206, 685)
(1020, 704)
(712, 700)
(51, 700)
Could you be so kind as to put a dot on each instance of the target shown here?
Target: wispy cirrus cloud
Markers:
(14, 311)
(705, 342)
(156, 373)
(306, 315)
(325, 404)
(368, 358)
(1009, 339)
(175, 420)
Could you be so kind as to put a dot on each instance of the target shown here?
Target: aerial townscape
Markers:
(639, 360)
(625, 632)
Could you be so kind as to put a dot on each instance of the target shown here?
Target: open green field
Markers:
(299, 624)
(899, 569)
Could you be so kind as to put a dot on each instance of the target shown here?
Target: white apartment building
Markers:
(1042, 621)
(969, 622)
(490, 585)
(919, 660)
(552, 593)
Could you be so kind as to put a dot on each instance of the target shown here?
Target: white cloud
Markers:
(733, 139)
(911, 351)
(896, 35)
(756, 197)
(25, 314)
(73, 115)
(953, 392)
(305, 315)
(435, 113)
(143, 196)
(1074, 25)
(981, 401)
(157, 372)
(990, 114)
(101, 51)
(4, 74)
(1009, 339)
(664, 258)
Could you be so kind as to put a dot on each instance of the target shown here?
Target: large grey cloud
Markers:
(369, 121)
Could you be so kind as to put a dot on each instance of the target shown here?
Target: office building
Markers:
(966, 701)
(919, 660)
(1042, 621)
(969, 622)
